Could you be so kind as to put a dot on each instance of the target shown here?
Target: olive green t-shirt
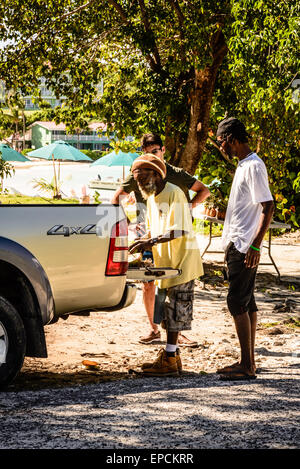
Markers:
(175, 175)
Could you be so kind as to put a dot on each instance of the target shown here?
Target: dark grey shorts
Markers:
(174, 307)
(240, 298)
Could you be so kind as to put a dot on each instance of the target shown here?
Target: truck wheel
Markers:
(12, 342)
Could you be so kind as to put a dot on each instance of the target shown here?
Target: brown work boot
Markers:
(178, 361)
(162, 366)
(152, 337)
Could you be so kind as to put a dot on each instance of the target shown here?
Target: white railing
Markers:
(82, 138)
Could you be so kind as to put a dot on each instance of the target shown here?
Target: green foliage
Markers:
(6, 170)
(145, 58)
(47, 114)
(153, 57)
(296, 183)
(97, 197)
(124, 145)
(258, 85)
(25, 151)
(94, 155)
(75, 119)
(9, 122)
(14, 117)
(52, 187)
(216, 173)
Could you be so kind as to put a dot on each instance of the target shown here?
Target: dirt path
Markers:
(111, 339)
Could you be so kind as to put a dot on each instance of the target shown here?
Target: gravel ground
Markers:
(58, 404)
(192, 412)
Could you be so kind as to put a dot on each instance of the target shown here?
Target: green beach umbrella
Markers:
(9, 154)
(116, 159)
(59, 151)
(134, 155)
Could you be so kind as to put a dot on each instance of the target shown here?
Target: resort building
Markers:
(95, 138)
(46, 94)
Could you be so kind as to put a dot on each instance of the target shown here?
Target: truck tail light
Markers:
(117, 262)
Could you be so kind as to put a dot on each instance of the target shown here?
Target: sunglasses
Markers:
(220, 142)
(156, 150)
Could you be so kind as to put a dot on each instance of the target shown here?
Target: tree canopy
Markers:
(169, 66)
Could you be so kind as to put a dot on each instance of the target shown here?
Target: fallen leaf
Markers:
(90, 364)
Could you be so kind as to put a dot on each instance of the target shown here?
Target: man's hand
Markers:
(252, 258)
(146, 244)
(119, 196)
(141, 230)
(140, 246)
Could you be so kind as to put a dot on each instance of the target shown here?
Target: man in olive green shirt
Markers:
(175, 175)
(152, 143)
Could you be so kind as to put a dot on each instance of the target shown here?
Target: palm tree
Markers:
(6, 169)
(16, 105)
(52, 188)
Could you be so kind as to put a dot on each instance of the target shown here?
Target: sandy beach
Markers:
(74, 178)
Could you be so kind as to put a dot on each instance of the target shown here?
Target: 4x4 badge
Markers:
(70, 230)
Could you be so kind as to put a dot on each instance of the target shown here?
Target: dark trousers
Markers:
(240, 298)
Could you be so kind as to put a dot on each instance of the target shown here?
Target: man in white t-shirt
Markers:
(249, 212)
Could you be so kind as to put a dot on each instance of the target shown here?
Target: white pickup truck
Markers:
(57, 260)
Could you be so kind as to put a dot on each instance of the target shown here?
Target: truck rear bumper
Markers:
(127, 298)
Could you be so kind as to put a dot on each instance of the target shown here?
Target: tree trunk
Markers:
(172, 143)
(16, 135)
(201, 100)
(24, 129)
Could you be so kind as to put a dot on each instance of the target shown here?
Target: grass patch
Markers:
(294, 323)
(26, 200)
(269, 324)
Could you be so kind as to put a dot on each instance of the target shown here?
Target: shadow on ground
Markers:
(34, 381)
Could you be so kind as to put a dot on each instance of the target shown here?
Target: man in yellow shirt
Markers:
(170, 236)
(152, 143)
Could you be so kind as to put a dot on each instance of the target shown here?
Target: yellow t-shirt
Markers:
(169, 211)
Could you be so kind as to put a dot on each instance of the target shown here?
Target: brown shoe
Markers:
(178, 361)
(152, 337)
(185, 342)
(163, 366)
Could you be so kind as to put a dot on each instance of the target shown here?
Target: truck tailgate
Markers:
(71, 242)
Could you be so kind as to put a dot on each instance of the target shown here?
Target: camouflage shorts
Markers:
(175, 306)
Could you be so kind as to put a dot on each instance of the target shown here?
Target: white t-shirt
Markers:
(249, 188)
